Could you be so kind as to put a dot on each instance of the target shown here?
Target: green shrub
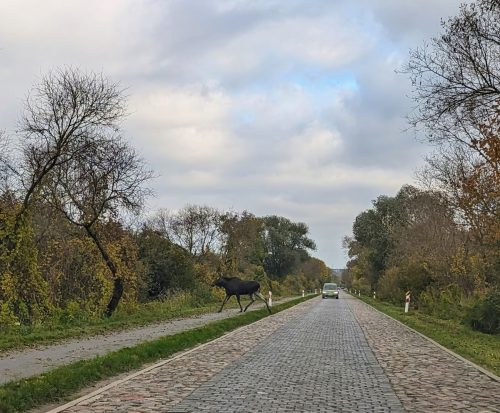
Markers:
(446, 303)
(484, 316)
(389, 287)
(7, 317)
(202, 295)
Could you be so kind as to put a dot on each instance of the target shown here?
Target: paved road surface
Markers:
(319, 356)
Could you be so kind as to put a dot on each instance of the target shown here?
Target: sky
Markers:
(277, 107)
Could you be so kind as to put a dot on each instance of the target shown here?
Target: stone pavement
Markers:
(425, 377)
(313, 357)
(317, 362)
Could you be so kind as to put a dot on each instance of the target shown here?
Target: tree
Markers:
(316, 271)
(23, 291)
(456, 84)
(73, 157)
(63, 114)
(195, 228)
(242, 246)
(286, 244)
(373, 235)
(167, 266)
(95, 185)
(456, 77)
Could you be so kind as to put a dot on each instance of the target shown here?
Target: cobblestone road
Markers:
(318, 362)
(311, 358)
(425, 377)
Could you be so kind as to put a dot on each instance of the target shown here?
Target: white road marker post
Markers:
(407, 301)
(270, 299)
(374, 295)
(359, 293)
(303, 293)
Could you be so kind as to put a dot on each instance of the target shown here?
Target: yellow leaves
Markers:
(21, 285)
(458, 264)
(7, 316)
(205, 273)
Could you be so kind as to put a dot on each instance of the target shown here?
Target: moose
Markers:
(238, 287)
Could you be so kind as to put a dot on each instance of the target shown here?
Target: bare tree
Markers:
(195, 228)
(64, 113)
(5, 163)
(95, 185)
(71, 156)
(456, 77)
(456, 85)
(160, 222)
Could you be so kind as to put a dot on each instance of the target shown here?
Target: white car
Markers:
(330, 290)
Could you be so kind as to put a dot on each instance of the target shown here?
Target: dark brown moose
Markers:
(238, 287)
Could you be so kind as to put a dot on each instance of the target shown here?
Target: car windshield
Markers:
(330, 287)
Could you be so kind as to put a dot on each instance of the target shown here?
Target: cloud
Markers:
(278, 107)
(186, 125)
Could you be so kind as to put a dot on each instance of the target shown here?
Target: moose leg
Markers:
(251, 302)
(238, 298)
(259, 295)
(224, 302)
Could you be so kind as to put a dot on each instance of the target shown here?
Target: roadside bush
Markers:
(166, 267)
(7, 317)
(484, 316)
(73, 312)
(446, 303)
(389, 286)
(203, 294)
(363, 285)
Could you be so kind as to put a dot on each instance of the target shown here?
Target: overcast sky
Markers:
(286, 107)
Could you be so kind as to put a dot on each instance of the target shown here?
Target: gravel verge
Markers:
(19, 364)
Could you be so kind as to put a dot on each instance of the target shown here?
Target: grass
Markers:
(482, 349)
(25, 336)
(54, 330)
(62, 382)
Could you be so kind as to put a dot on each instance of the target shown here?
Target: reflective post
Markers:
(407, 302)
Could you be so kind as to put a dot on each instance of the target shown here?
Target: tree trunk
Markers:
(115, 297)
(117, 281)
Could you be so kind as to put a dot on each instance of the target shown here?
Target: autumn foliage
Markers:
(442, 242)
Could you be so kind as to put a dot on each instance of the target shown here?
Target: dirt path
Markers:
(15, 365)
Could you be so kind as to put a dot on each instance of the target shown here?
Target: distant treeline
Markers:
(57, 266)
(443, 242)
